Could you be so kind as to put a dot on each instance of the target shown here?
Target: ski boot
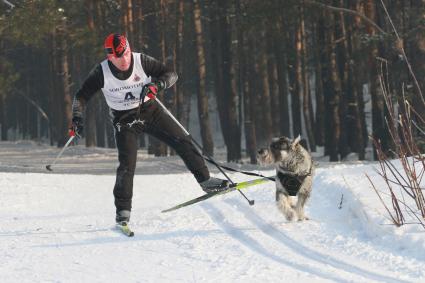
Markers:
(214, 185)
(123, 216)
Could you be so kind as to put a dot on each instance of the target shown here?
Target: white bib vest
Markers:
(124, 94)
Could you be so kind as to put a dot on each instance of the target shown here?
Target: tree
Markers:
(226, 79)
(276, 67)
(204, 122)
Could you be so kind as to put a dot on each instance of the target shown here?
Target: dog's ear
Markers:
(295, 142)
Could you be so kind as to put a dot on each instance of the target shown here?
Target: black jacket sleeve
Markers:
(93, 83)
(158, 71)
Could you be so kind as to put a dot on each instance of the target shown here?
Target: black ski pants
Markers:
(152, 120)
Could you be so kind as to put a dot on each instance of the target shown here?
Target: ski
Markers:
(232, 187)
(123, 227)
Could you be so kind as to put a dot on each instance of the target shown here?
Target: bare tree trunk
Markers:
(91, 113)
(282, 72)
(53, 99)
(234, 141)
(163, 43)
(331, 86)
(179, 93)
(299, 89)
(161, 148)
(320, 106)
(187, 61)
(138, 24)
(378, 111)
(250, 105)
(307, 106)
(240, 70)
(360, 124)
(3, 125)
(250, 135)
(127, 18)
(3, 119)
(156, 35)
(225, 81)
(346, 87)
(416, 44)
(130, 20)
(104, 129)
(243, 87)
(357, 86)
(263, 96)
(138, 43)
(67, 94)
(274, 87)
(65, 77)
(207, 141)
(335, 99)
(33, 117)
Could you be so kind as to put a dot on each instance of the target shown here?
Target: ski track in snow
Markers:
(59, 228)
(297, 247)
(254, 245)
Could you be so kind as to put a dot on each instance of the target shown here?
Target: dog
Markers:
(294, 174)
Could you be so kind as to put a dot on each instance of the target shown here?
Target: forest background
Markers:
(263, 68)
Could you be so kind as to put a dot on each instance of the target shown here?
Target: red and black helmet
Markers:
(116, 44)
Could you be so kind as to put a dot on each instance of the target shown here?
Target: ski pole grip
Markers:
(151, 95)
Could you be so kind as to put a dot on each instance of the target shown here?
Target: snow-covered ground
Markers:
(59, 227)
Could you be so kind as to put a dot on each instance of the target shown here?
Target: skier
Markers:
(127, 79)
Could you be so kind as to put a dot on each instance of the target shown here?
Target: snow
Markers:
(59, 227)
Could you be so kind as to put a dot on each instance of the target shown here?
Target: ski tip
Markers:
(49, 167)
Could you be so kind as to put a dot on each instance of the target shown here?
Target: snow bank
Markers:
(59, 227)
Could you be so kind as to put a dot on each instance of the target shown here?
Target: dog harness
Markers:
(292, 183)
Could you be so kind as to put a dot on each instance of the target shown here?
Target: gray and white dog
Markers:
(294, 174)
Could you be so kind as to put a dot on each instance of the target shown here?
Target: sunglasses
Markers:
(122, 47)
(109, 50)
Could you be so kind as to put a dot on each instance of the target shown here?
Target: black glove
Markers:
(153, 88)
(77, 126)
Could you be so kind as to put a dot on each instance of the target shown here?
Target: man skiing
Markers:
(128, 80)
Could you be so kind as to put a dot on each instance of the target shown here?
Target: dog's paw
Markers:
(290, 215)
(302, 218)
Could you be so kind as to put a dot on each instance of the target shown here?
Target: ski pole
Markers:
(151, 96)
(71, 138)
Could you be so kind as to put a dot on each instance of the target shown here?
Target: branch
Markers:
(417, 127)
(401, 48)
(394, 219)
(348, 11)
(38, 107)
(8, 3)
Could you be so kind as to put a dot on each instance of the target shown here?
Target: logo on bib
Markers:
(136, 78)
(129, 96)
